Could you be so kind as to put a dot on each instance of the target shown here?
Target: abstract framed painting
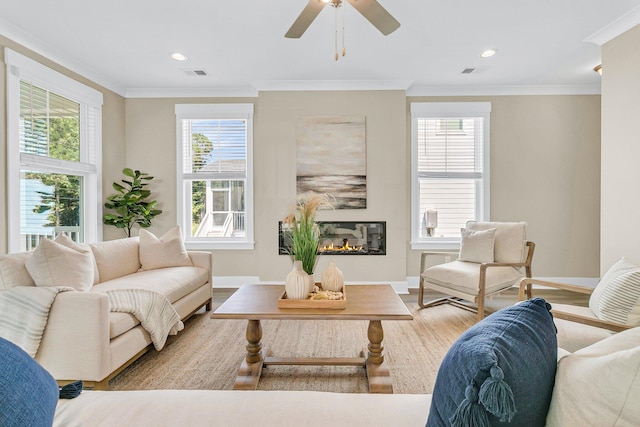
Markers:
(331, 158)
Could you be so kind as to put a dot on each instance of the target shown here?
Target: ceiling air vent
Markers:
(468, 70)
(196, 72)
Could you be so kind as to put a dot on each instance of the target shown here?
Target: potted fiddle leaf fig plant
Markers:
(130, 203)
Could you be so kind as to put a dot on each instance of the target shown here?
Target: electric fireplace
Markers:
(343, 238)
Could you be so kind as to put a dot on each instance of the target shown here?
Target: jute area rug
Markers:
(208, 352)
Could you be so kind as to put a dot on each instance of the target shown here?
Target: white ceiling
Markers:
(125, 45)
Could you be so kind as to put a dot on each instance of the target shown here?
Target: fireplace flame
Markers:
(346, 247)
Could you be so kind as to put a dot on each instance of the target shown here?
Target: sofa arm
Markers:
(75, 343)
(203, 259)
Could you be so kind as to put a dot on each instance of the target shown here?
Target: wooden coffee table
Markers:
(364, 302)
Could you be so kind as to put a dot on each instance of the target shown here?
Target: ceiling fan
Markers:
(370, 9)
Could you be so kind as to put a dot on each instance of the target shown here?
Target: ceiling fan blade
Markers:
(308, 14)
(377, 15)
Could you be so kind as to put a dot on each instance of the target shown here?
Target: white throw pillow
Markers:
(477, 246)
(166, 251)
(13, 272)
(510, 239)
(616, 298)
(117, 258)
(599, 385)
(61, 263)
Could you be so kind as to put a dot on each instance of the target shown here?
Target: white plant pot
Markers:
(297, 282)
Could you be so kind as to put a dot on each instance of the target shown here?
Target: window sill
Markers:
(212, 244)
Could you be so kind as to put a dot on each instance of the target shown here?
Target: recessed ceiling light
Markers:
(487, 53)
(178, 56)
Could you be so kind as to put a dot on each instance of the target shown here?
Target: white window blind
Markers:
(218, 148)
(54, 145)
(49, 124)
(215, 175)
(449, 167)
(449, 164)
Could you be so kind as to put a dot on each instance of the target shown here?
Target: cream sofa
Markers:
(598, 385)
(83, 340)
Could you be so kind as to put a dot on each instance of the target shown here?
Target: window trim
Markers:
(215, 111)
(22, 68)
(444, 110)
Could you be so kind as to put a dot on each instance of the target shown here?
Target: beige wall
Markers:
(151, 139)
(113, 137)
(3, 154)
(620, 149)
(545, 169)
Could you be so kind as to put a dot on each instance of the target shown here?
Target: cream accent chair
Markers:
(484, 267)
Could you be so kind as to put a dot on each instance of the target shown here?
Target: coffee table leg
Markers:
(377, 374)
(251, 366)
(376, 335)
(254, 346)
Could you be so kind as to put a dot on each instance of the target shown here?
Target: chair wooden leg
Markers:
(421, 293)
(437, 301)
(480, 309)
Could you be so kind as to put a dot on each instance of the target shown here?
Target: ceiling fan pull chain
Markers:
(344, 50)
(336, 31)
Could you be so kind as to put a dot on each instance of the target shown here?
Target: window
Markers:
(215, 169)
(53, 150)
(450, 170)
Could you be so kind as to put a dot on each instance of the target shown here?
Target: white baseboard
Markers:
(234, 281)
(401, 287)
(591, 282)
(237, 281)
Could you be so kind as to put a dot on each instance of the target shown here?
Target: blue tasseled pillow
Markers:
(500, 372)
(28, 393)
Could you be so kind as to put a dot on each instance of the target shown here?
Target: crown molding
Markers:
(503, 90)
(320, 85)
(36, 45)
(617, 27)
(211, 92)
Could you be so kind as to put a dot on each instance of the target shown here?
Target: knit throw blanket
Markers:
(24, 311)
(155, 313)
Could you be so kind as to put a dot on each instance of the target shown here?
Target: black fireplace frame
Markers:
(372, 233)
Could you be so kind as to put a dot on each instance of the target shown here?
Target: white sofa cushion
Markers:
(599, 385)
(61, 263)
(165, 251)
(172, 282)
(510, 239)
(13, 272)
(463, 276)
(616, 298)
(119, 323)
(274, 408)
(116, 258)
(477, 246)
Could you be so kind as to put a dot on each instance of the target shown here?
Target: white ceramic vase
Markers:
(332, 278)
(297, 282)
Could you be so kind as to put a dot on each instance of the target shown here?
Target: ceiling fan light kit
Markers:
(370, 9)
